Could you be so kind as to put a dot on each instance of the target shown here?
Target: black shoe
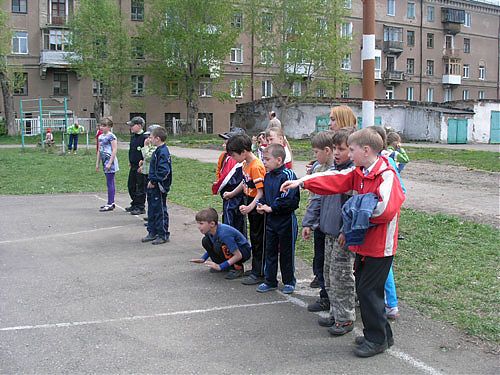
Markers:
(138, 211)
(252, 280)
(149, 238)
(323, 304)
(314, 283)
(130, 208)
(160, 240)
(326, 322)
(234, 274)
(339, 329)
(361, 339)
(145, 218)
(369, 349)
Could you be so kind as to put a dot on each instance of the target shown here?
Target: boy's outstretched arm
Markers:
(203, 259)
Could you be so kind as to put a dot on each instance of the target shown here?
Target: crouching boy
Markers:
(226, 247)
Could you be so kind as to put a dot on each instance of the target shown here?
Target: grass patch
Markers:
(445, 267)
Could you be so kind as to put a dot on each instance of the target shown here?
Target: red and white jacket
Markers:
(382, 239)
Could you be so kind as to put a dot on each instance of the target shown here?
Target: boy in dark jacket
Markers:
(160, 179)
(281, 222)
(136, 180)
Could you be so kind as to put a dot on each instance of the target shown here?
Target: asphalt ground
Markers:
(81, 294)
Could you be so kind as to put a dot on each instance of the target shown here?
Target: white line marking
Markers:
(139, 317)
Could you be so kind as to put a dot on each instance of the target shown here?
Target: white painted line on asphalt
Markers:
(139, 317)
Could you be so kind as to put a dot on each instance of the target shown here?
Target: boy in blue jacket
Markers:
(281, 222)
(160, 179)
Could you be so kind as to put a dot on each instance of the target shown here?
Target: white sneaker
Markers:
(392, 312)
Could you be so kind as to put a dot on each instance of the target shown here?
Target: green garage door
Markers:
(495, 127)
(457, 130)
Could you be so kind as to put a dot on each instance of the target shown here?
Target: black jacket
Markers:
(134, 151)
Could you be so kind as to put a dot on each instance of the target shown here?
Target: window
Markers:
(466, 45)
(58, 12)
(430, 13)
(266, 57)
(448, 95)
(480, 94)
(322, 25)
(482, 72)
(389, 92)
(137, 10)
(466, 71)
(390, 63)
(409, 93)
(172, 88)
(137, 49)
(467, 19)
(60, 84)
(267, 22)
(137, 85)
(430, 94)
(205, 89)
(267, 89)
(208, 120)
(20, 83)
(430, 40)
(236, 88)
(391, 7)
(410, 38)
(19, 6)
(410, 66)
(344, 93)
(410, 9)
(55, 40)
(346, 62)
(465, 95)
(429, 70)
(346, 30)
(297, 88)
(237, 21)
(378, 67)
(20, 43)
(348, 4)
(320, 92)
(237, 54)
(97, 88)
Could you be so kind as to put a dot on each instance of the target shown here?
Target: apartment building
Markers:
(427, 50)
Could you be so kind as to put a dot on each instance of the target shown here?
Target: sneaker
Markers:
(234, 274)
(264, 288)
(149, 238)
(339, 329)
(326, 321)
(369, 349)
(145, 218)
(322, 304)
(252, 280)
(314, 283)
(107, 207)
(160, 240)
(130, 208)
(392, 312)
(361, 339)
(288, 289)
(138, 211)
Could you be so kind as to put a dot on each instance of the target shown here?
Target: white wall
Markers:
(480, 126)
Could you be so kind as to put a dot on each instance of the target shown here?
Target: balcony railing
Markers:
(452, 53)
(393, 46)
(393, 76)
(58, 20)
(452, 79)
(55, 59)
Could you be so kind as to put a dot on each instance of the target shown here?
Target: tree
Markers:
(101, 51)
(302, 45)
(185, 43)
(5, 74)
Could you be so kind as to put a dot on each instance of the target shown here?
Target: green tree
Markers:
(301, 44)
(101, 50)
(6, 81)
(185, 43)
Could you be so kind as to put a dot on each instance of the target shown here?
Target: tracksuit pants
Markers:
(256, 224)
(158, 220)
(319, 261)
(137, 187)
(281, 235)
(371, 274)
(231, 214)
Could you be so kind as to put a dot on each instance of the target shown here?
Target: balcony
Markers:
(452, 53)
(393, 40)
(53, 59)
(452, 20)
(452, 79)
(301, 69)
(393, 46)
(391, 77)
(452, 74)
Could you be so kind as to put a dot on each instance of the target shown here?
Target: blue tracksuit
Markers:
(281, 226)
(160, 174)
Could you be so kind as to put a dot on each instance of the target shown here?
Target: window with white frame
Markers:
(346, 62)
(346, 30)
(137, 10)
(20, 43)
(430, 40)
(409, 93)
(236, 88)
(430, 94)
(410, 66)
(391, 7)
(267, 22)
(61, 84)
(389, 92)
(465, 94)
(430, 13)
(344, 93)
(429, 70)
(466, 69)
(19, 6)
(56, 39)
(97, 88)
(347, 4)
(482, 72)
(205, 89)
(378, 65)
(410, 38)
(320, 92)
(480, 94)
(297, 88)
(467, 19)
(267, 88)
(137, 85)
(410, 9)
(448, 95)
(266, 57)
(237, 21)
(237, 54)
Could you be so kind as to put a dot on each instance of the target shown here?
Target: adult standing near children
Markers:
(274, 122)
(341, 117)
(136, 180)
(74, 131)
(108, 147)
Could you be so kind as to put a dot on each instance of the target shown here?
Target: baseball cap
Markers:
(150, 128)
(232, 133)
(137, 120)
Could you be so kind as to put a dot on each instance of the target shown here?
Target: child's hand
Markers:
(245, 209)
(97, 168)
(227, 195)
(197, 261)
(212, 265)
(306, 233)
(341, 240)
(287, 185)
(265, 208)
(150, 185)
(259, 208)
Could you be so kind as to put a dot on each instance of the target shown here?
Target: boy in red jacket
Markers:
(372, 174)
